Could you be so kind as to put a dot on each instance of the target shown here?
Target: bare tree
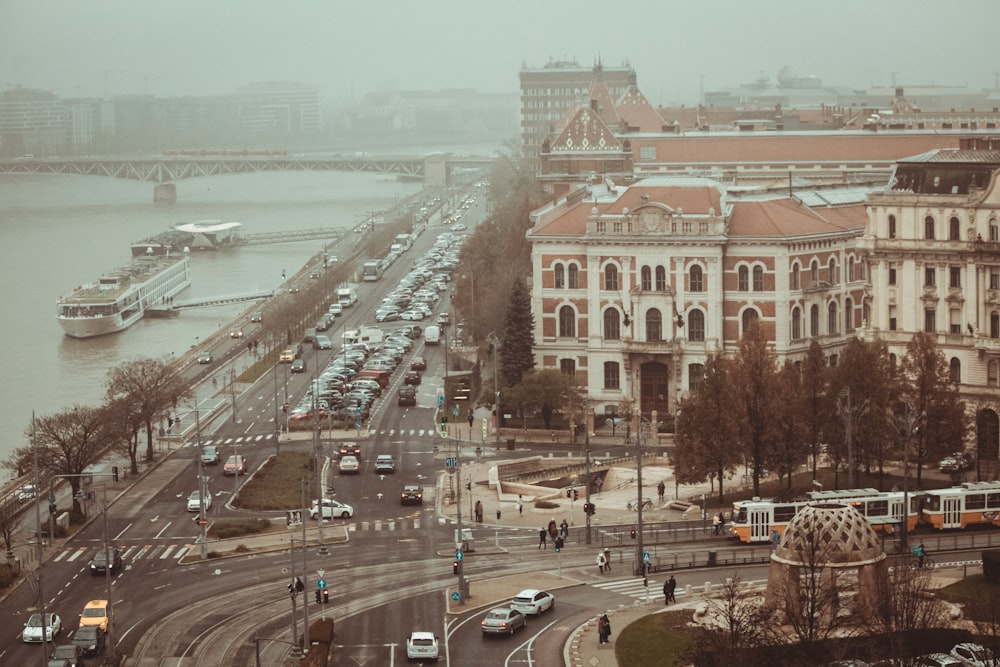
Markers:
(123, 426)
(755, 373)
(150, 387)
(742, 621)
(815, 385)
(9, 522)
(911, 607)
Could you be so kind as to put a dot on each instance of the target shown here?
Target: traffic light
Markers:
(52, 508)
(454, 567)
(576, 494)
(632, 533)
(319, 597)
(569, 493)
(586, 508)
(326, 596)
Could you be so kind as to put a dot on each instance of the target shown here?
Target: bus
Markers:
(371, 270)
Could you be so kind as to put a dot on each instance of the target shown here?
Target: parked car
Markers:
(422, 646)
(99, 563)
(412, 494)
(235, 465)
(90, 639)
(205, 357)
(349, 464)
(194, 501)
(331, 509)
(975, 655)
(32, 632)
(503, 621)
(956, 462)
(938, 660)
(210, 455)
(385, 464)
(27, 492)
(532, 601)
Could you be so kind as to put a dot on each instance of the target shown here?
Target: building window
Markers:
(993, 373)
(954, 276)
(568, 367)
(953, 229)
(758, 279)
(611, 379)
(930, 320)
(929, 228)
(929, 277)
(696, 375)
(743, 275)
(850, 269)
(611, 278)
(750, 316)
(567, 322)
(645, 279)
(612, 324)
(573, 274)
(956, 370)
(848, 316)
(892, 275)
(796, 278)
(814, 321)
(831, 318)
(994, 324)
(833, 361)
(654, 325)
(560, 275)
(696, 279)
(696, 325)
(661, 279)
(892, 226)
(796, 324)
(814, 272)
(834, 273)
(647, 153)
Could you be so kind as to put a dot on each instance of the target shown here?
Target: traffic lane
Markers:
(469, 647)
(377, 636)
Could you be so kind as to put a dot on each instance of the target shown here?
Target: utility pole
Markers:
(109, 562)
(38, 538)
(586, 440)
(293, 590)
(232, 390)
(277, 425)
(305, 571)
(638, 474)
(495, 345)
(319, 473)
(202, 519)
(463, 589)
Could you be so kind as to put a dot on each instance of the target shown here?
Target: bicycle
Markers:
(928, 563)
(647, 504)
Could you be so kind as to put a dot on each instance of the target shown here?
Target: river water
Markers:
(57, 232)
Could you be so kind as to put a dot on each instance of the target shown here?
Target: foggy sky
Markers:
(92, 48)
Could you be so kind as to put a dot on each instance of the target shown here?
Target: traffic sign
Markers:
(451, 461)
(444, 433)
(645, 556)
(321, 583)
(440, 400)
(456, 596)
(459, 555)
(454, 411)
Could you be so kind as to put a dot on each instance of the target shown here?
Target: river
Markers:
(57, 232)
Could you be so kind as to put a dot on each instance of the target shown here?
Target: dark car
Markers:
(66, 654)
(99, 563)
(350, 448)
(90, 639)
(411, 377)
(418, 364)
(298, 366)
(205, 357)
(412, 494)
(407, 396)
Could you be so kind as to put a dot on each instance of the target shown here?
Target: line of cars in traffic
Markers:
(86, 641)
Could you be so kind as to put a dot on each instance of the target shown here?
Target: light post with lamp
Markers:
(495, 347)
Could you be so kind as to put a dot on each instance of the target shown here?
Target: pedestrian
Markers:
(607, 559)
(661, 489)
(716, 524)
(479, 511)
(601, 562)
(553, 529)
(564, 528)
(604, 629)
(541, 538)
(520, 507)
(671, 589)
(666, 592)
(498, 514)
(722, 523)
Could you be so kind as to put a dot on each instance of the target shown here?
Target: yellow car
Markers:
(287, 356)
(95, 612)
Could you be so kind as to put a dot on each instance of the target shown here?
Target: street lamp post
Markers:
(495, 346)
(277, 424)
(202, 519)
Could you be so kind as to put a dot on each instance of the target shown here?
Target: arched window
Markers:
(567, 322)
(954, 229)
(796, 277)
(654, 325)
(834, 272)
(796, 324)
(612, 324)
(814, 272)
(560, 276)
(696, 374)
(814, 321)
(661, 279)
(831, 318)
(750, 315)
(611, 376)
(743, 276)
(850, 268)
(573, 276)
(646, 278)
(568, 367)
(956, 370)
(994, 231)
(929, 228)
(892, 226)
(611, 278)
(696, 325)
(696, 279)
(758, 279)
(848, 315)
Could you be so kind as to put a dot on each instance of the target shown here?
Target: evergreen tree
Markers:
(516, 351)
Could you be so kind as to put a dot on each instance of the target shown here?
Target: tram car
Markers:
(963, 506)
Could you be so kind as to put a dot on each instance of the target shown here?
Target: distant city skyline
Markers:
(107, 48)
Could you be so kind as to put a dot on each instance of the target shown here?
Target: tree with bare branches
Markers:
(755, 373)
(149, 387)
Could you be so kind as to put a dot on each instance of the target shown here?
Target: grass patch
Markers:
(277, 485)
(229, 528)
(979, 598)
(657, 640)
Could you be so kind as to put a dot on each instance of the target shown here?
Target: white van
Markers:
(432, 335)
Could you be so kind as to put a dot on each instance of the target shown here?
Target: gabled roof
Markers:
(782, 218)
(601, 101)
(585, 131)
(637, 113)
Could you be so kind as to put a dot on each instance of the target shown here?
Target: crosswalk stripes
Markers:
(631, 587)
(129, 554)
(233, 440)
(411, 433)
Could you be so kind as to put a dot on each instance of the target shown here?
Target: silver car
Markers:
(503, 621)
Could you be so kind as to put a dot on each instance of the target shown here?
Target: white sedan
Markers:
(532, 601)
(33, 628)
(331, 508)
(412, 315)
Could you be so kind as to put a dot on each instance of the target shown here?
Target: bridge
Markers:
(435, 169)
(173, 308)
